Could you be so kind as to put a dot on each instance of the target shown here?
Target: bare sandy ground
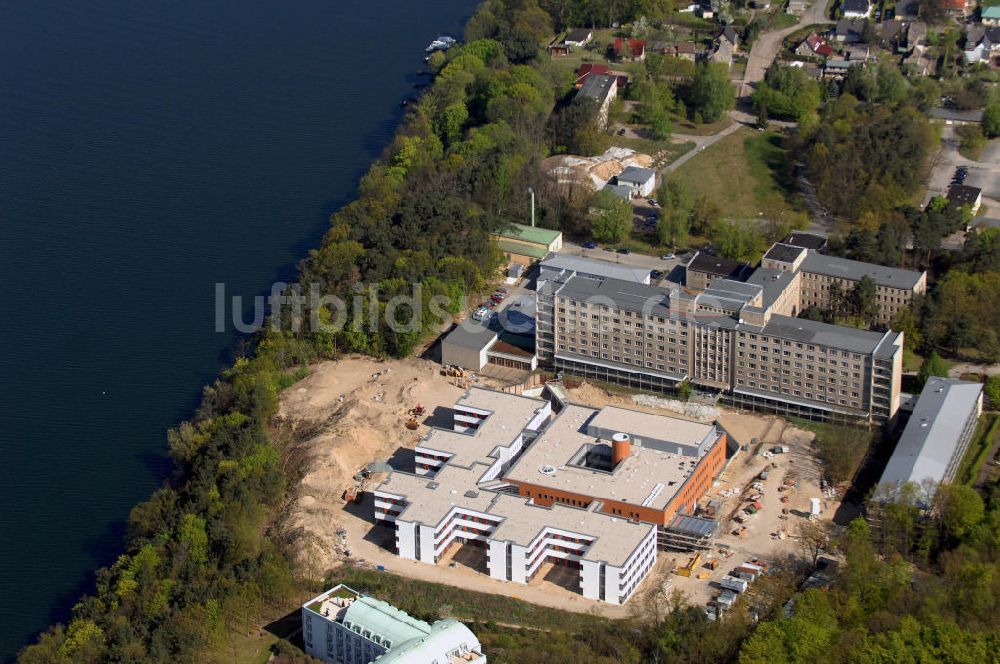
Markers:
(351, 412)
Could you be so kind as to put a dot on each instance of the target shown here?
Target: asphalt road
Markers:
(768, 44)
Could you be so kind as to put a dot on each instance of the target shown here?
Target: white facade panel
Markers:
(406, 539)
(590, 576)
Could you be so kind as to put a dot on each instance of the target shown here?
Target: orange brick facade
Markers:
(692, 490)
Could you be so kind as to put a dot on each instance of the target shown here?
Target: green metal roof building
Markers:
(527, 244)
(341, 626)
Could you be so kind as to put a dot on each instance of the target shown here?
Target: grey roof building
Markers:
(818, 333)
(955, 116)
(556, 265)
(636, 175)
(578, 36)
(854, 8)
(653, 338)
(622, 191)
(963, 194)
(598, 87)
(935, 439)
(703, 267)
(814, 241)
(845, 268)
(783, 253)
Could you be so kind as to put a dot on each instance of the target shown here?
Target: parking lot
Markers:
(984, 173)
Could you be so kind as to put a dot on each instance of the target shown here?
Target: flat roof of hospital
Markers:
(647, 478)
(511, 413)
(616, 539)
(650, 426)
(430, 500)
(594, 266)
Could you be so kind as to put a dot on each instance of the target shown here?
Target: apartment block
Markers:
(593, 490)
(654, 338)
(820, 276)
(342, 626)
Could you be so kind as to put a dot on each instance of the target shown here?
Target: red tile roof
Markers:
(637, 46)
(818, 46)
(586, 70)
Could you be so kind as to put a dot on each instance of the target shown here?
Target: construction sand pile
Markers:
(345, 415)
(594, 172)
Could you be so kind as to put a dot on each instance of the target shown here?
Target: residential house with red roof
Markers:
(587, 70)
(630, 49)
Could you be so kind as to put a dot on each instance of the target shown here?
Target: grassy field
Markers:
(602, 39)
(744, 174)
(508, 628)
(433, 601)
(780, 20)
(842, 448)
(979, 448)
(688, 128)
(911, 361)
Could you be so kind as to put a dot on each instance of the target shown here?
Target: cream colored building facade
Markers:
(741, 339)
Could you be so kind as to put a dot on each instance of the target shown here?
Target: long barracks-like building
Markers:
(740, 339)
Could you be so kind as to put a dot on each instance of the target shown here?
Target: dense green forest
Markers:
(199, 564)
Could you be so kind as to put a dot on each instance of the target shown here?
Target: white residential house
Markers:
(642, 181)
(856, 8)
(578, 37)
(981, 43)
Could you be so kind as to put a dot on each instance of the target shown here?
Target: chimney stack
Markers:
(621, 448)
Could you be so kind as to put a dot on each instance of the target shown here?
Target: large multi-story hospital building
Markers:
(592, 489)
(739, 338)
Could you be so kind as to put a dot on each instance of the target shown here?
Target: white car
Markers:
(481, 314)
(667, 257)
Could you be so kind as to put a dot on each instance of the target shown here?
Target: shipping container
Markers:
(734, 584)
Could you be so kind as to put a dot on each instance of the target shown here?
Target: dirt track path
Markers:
(768, 44)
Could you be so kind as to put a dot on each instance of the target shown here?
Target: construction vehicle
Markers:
(411, 423)
(453, 371)
(352, 494)
(690, 567)
(418, 410)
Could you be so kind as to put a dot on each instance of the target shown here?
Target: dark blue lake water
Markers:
(148, 150)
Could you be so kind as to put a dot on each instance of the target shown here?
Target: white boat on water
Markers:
(441, 44)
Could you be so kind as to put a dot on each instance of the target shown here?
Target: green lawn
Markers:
(602, 38)
(911, 361)
(682, 125)
(744, 174)
(979, 448)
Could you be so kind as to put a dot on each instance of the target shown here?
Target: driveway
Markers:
(768, 44)
(704, 143)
